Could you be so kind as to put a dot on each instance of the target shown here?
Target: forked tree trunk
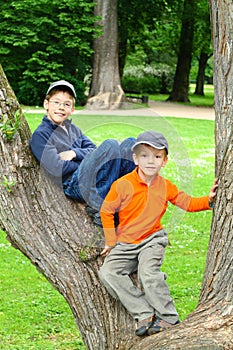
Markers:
(55, 234)
(106, 91)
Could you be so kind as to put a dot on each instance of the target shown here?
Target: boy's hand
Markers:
(213, 191)
(67, 155)
(106, 250)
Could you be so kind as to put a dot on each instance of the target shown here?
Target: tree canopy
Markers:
(44, 41)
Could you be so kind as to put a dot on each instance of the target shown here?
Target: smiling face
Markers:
(149, 160)
(59, 106)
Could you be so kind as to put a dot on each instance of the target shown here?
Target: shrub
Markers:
(33, 93)
(148, 79)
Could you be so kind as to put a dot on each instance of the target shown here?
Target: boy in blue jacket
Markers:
(84, 171)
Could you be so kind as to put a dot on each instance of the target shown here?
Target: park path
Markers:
(156, 108)
(172, 109)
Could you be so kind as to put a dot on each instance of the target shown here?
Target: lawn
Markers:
(34, 316)
(205, 101)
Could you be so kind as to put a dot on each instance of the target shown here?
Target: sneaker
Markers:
(94, 215)
(143, 326)
(97, 220)
(90, 211)
(159, 325)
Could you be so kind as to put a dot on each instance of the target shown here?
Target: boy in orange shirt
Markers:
(138, 243)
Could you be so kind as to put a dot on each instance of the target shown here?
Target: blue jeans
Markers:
(91, 182)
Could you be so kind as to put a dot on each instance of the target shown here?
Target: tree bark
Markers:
(180, 88)
(223, 58)
(56, 235)
(106, 91)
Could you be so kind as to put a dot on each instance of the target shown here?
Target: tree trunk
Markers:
(61, 242)
(106, 91)
(180, 88)
(223, 75)
(58, 239)
(203, 59)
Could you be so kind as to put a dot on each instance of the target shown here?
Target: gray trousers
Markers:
(146, 258)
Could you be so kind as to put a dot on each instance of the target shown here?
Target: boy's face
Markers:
(149, 160)
(59, 107)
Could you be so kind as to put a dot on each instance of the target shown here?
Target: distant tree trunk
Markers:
(200, 81)
(180, 88)
(106, 91)
(123, 39)
(61, 242)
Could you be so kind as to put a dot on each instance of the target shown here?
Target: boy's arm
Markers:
(82, 146)
(46, 154)
(106, 251)
(189, 203)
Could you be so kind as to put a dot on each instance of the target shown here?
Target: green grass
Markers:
(34, 316)
(205, 101)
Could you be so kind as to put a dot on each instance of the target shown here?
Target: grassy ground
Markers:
(34, 316)
(206, 101)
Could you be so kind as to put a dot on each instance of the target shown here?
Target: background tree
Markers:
(109, 58)
(48, 41)
(44, 41)
(153, 48)
(180, 88)
(148, 44)
(106, 91)
(69, 258)
(135, 20)
(202, 43)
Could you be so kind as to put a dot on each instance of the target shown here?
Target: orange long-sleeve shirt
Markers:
(141, 207)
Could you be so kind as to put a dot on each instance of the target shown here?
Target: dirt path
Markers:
(182, 111)
(164, 109)
(156, 108)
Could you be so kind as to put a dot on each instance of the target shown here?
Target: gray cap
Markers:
(153, 139)
(62, 83)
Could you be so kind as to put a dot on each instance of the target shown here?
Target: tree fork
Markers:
(41, 229)
(68, 256)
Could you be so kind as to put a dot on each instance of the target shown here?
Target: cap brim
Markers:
(147, 143)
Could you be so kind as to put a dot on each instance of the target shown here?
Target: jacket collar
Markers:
(67, 122)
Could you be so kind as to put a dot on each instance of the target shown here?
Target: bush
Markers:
(148, 79)
(33, 93)
(39, 72)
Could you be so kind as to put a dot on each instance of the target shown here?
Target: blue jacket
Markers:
(49, 139)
